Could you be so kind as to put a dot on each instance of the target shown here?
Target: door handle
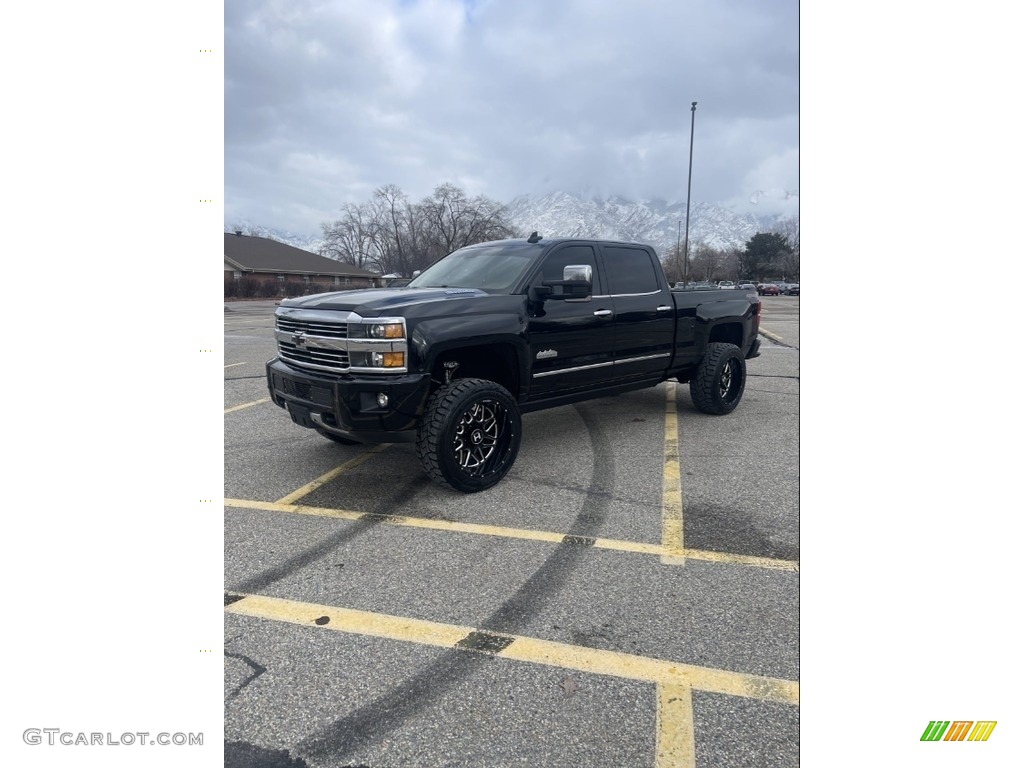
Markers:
(663, 308)
(603, 313)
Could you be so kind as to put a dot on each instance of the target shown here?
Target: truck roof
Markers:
(543, 241)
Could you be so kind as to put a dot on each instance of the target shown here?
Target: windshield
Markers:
(492, 267)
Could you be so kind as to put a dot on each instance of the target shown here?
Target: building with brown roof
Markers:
(259, 266)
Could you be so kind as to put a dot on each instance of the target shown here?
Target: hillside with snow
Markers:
(561, 214)
(656, 222)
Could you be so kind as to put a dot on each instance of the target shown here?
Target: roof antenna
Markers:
(534, 238)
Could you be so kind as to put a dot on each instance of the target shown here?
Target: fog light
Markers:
(387, 359)
(382, 400)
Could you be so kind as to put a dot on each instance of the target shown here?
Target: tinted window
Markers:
(629, 270)
(556, 262)
(491, 267)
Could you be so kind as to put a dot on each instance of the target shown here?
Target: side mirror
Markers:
(577, 283)
(578, 272)
(574, 289)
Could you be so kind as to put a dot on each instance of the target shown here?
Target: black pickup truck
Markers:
(497, 329)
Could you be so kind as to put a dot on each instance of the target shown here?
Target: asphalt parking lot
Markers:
(627, 596)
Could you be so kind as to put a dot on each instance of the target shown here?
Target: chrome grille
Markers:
(320, 340)
(308, 356)
(328, 330)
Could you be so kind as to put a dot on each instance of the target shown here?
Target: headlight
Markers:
(385, 331)
(378, 345)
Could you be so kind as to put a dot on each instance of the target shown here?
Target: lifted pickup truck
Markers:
(498, 329)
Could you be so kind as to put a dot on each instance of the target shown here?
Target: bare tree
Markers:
(731, 263)
(351, 238)
(392, 214)
(378, 235)
(388, 234)
(789, 265)
(789, 261)
(708, 263)
(672, 263)
(452, 220)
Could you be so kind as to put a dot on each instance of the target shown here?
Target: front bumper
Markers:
(347, 405)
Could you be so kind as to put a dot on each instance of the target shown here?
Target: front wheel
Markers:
(721, 377)
(469, 437)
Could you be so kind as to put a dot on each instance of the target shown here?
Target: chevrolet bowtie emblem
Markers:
(298, 339)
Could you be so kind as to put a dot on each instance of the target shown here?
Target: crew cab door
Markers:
(571, 340)
(644, 311)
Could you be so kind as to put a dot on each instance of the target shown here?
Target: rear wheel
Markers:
(721, 377)
(469, 437)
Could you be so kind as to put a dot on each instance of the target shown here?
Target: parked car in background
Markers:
(695, 285)
(792, 289)
(769, 289)
(745, 285)
(726, 285)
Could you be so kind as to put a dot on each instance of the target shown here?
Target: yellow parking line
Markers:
(347, 620)
(671, 490)
(551, 537)
(521, 648)
(246, 405)
(750, 560)
(308, 488)
(616, 664)
(233, 365)
(675, 727)
(273, 506)
(771, 335)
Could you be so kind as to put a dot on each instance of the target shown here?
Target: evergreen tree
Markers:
(764, 253)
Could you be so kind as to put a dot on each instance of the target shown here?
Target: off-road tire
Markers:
(469, 437)
(717, 387)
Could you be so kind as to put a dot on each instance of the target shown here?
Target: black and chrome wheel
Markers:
(469, 437)
(721, 377)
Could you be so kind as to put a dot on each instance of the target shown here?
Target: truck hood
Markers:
(370, 302)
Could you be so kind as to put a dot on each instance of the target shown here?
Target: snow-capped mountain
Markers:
(306, 242)
(561, 214)
(656, 222)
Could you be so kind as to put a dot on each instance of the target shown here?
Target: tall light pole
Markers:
(679, 226)
(689, 179)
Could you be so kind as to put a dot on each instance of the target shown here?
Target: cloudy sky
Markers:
(327, 100)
